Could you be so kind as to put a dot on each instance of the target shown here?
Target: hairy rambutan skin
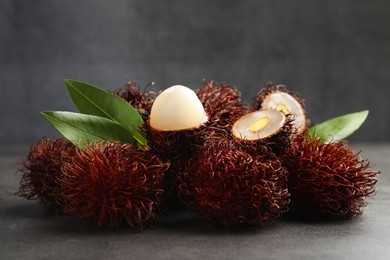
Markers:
(234, 185)
(282, 141)
(328, 179)
(42, 169)
(113, 185)
(142, 101)
(177, 147)
(173, 145)
(222, 103)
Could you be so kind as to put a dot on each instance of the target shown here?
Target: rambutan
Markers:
(114, 184)
(42, 170)
(265, 128)
(175, 129)
(234, 185)
(278, 97)
(142, 101)
(327, 179)
(222, 102)
(176, 122)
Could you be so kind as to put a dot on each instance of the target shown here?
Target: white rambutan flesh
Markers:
(177, 108)
(287, 104)
(259, 125)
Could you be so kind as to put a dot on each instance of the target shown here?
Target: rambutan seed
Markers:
(234, 185)
(42, 170)
(327, 179)
(113, 185)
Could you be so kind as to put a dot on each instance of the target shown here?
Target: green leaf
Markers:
(82, 129)
(338, 128)
(94, 101)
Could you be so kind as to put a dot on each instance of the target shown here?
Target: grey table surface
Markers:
(28, 231)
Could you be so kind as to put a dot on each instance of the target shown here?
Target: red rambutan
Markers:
(176, 122)
(327, 179)
(142, 101)
(175, 128)
(113, 184)
(234, 185)
(42, 170)
(222, 102)
(175, 145)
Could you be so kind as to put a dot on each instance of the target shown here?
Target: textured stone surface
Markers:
(27, 231)
(336, 53)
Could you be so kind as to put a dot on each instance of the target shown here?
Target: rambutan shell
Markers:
(174, 145)
(327, 179)
(113, 185)
(234, 185)
(42, 170)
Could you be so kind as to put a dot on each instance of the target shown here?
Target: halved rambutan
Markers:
(42, 169)
(327, 179)
(113, 184)
(234, 185)
(222, 103)
(142, 101)
(268, 127)
(278, 97)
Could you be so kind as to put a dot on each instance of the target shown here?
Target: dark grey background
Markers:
(335, 53)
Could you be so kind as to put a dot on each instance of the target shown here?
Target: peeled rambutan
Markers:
(114, 184)
(175, 129)
(42, 170)
(327, 179)
(176, 121)
(222, 102)
(142, 101)
(278, 97)
(234, 185)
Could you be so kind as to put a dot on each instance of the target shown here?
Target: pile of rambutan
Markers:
(128, 153)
